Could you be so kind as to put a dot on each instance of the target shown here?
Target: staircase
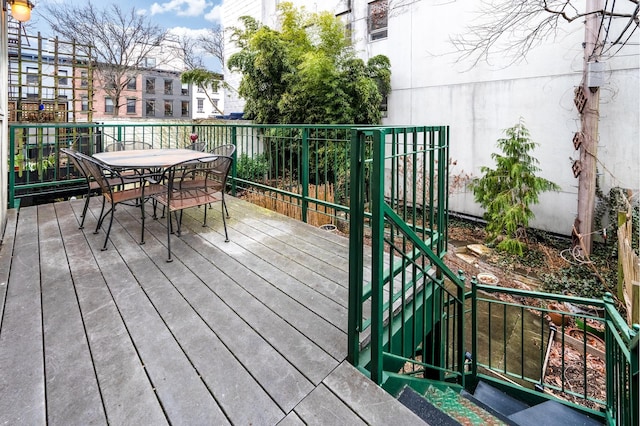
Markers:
(487, 406)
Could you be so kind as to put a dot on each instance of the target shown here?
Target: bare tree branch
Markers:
(511, 28)
(213, 43)
(187, 49)
(119, 40)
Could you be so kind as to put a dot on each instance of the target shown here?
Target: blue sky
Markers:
(179, 16)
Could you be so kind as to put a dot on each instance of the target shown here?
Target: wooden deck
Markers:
(252, 331)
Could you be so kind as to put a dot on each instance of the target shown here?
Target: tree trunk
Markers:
(589, 128)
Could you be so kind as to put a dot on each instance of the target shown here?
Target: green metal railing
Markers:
(304, 168)
(402, 312)
(569, 347)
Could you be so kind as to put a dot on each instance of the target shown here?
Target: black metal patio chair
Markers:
(227, 150)
(191, 184)
(92, 186)
(117, 188)
(197, 146)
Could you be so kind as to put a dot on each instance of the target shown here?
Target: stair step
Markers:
(487, 408)
(424, 409)
(552, 412)
(461, 409)
(498, 400)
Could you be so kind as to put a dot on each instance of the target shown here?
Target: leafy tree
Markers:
(307, 71)
(119, 40)
(507, 191)
(207, 80)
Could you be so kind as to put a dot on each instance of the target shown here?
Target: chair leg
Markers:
(106, 238)
(204, 223)
(224, 203)
(84, 210)
(169, 259)
(179, 223)
(101, 217)
(143, 216)
(224, 222)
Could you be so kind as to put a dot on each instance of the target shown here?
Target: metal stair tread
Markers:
(552, 412)
(498, 400)
(460, 408)
(424, 409)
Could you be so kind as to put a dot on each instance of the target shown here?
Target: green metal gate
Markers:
(406, 312)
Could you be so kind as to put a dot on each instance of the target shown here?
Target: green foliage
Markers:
(507, 191)
(202, 78)
(206, 80)
(580, 279)
(606, 211)
(252, 168)
(307, 72)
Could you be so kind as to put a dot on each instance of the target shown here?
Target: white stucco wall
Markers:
(431, 87)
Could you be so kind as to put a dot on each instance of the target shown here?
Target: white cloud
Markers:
(214, 14)
(193, 33)
(180, 7)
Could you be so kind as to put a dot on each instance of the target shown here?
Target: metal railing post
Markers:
(377, 248)
(12, 165)
(304, 166)
(460, 328)
(356, 246)
(234, 165)
(474, 327)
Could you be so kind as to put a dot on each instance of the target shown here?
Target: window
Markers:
(151, 85)
(168, 108)
(150, 108)
(84, 78)
(62, 78)
(84, 103)
(168, 87)
(200, 89)
(131, 83)
(32, 76)
(200, 105)
(383, 105)
(378, 17)
(131, 105)
(149, 62)
(185, 89)
(185, 108)
(108, 105)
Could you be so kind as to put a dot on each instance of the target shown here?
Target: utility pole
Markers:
(587, 101)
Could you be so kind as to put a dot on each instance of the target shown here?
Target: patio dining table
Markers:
(148, 159)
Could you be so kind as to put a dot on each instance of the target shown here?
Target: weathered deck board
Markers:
(7, 236)
(119, 370)
(21, 337)
(69, 374)
(252, 331)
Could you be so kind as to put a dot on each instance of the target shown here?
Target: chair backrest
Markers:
(208, 173)
(98, 171)
(225, 150)
(136, 145)
(76, 161)
(197, 146)
(114, 146)
(126, 145)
